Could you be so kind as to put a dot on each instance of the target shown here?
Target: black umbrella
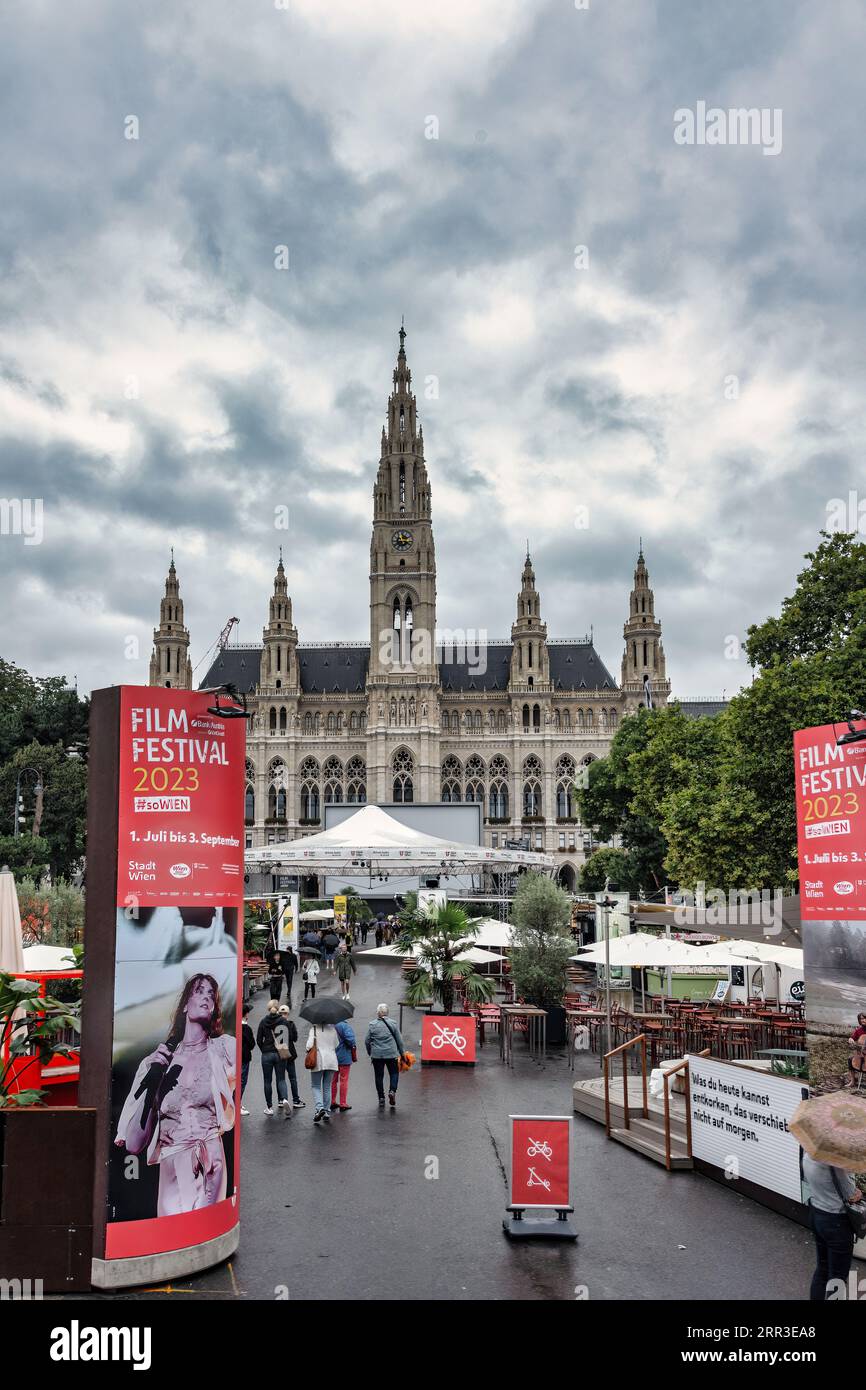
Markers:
(331, 940)
(327, 1010)
(309, 951)
(311, 937)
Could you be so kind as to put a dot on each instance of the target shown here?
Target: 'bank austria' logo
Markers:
(844, 887)
(180, 871)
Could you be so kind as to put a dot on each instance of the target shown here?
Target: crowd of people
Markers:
(330, 1050)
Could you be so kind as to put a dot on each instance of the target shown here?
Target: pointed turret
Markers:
(643, 662)
(279, 669)
(169, 663)
(530, 663)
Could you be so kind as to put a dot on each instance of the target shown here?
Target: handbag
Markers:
(311, 1061)
(856, 1218)
(396, 1044)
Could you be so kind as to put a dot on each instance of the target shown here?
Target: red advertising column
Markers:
(163, 977)
(540, 1175)
(830, 783)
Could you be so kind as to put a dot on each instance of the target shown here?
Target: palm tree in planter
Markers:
(435, 939)
(541, 932)
(34, 1027)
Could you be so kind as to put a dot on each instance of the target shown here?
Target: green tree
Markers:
(614, 864)
(58, 813)
(541, 920)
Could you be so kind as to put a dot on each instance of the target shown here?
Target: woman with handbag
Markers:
(347, 1053)
(321, 1063)
(272, 1062)
(834, 1206)
(286, 1035)
(385, 1049)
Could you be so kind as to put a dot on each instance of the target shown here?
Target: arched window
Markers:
(526, 719)
(566, 719)
(450, 791)
(249, 804)
(557, 722)
(403, 765)
(589, 720)
(272, 720)
(644, 652)
(363, 720)
(613, 719)
(281, 804)
(332, 773)
(452, 778)
(356, 781)
(532, 798)
(565, 775)
(536, 718)
(282, 719)
(475, 791)
(353, 722)
(308, 723)
(309, 774)
(498, 801)
(477, 720)
(500, 722)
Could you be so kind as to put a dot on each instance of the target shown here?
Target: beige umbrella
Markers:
(832, 1129)
(11, 949)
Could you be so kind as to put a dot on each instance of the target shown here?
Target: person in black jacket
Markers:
(271, 1060)
(286, 1035)
(290, 965)
(275, 973)
(248, 1042)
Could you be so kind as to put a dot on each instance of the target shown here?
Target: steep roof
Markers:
(341, 668)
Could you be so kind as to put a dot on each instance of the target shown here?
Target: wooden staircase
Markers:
(658, 1129)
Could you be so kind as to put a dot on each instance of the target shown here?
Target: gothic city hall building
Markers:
(414, 715)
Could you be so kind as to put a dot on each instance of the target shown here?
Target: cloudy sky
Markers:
(695, 379)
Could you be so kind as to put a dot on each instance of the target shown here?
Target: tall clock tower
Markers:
(402, 557)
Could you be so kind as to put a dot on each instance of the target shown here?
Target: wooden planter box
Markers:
(47, 1163)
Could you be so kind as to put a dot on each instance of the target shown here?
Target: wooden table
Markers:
(536, 1031)
(425, 1005)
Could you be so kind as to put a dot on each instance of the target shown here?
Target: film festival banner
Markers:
(831, 840)
(174, 1140)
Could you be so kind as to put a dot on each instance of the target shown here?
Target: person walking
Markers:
(310, 973)
(346, 968)
(248, 1042)
(831, 1191)
(286, 1035)
(275, 974)
(379, 934)
(272, 1063)
(290, 965)
(365, 927)
(385, 1049)
(347, 1053)
(323, 1039)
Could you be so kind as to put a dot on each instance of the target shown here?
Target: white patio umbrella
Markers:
(11, 949)
(42, 957)
(640, 949)
(492, 932)
(318, 914)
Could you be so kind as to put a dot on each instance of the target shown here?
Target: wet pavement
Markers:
(346, 1211)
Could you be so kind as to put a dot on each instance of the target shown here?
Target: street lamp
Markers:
(38, 788)
(606, 903)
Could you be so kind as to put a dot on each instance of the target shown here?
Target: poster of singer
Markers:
(174, 1072)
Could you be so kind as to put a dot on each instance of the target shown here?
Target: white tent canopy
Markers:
(476, 954)
(319, 914)
(371, 839)
(492, 932)
(642, 949)
(757, 952)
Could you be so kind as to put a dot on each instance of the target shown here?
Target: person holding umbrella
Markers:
(330, 942)
(322, 1043)
(832, 1130)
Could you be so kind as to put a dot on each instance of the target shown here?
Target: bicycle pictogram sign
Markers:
(539, 1146)
(447, 1037)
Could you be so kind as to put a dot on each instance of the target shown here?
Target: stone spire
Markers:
(169, 663)
(279, 668)
(643, 661)
(530, 663)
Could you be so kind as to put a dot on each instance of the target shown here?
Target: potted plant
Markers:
(435, 939)
(31, 1032)
(543, 944)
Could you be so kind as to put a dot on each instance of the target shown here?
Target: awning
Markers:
(371, 840)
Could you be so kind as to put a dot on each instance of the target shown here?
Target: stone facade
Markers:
(419, 715)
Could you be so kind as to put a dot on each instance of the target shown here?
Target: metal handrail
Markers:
(623, 1048)
(667, 1098)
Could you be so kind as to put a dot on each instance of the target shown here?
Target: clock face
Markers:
(401, 540)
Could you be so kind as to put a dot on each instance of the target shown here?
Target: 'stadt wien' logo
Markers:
(180, 871)
(844, 887)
